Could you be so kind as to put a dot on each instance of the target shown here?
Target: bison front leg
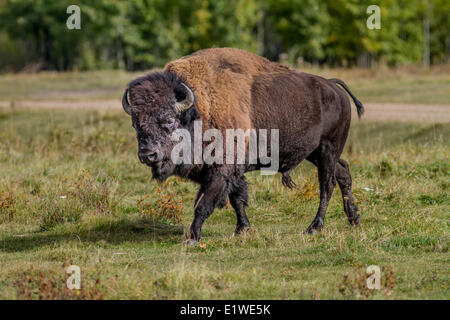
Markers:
(213, 193)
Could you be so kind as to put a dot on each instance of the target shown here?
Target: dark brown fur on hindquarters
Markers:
(232, 89)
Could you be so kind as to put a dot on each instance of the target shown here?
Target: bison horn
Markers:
(125, 104)
(188, 101)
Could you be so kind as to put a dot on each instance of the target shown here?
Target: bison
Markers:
(231, 88)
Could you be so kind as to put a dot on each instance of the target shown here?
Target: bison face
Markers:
(158, 105)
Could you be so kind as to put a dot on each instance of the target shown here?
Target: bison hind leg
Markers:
(238, 198)
(345, 183)
(325, 159)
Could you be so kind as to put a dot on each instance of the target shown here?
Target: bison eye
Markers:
(168, 125)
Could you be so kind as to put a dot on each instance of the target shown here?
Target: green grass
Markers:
(402, 85)
(413, 85)
(426, 90)
(70, 86)
(124, 252)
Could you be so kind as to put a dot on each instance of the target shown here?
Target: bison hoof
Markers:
(316, 226)
(355, 220)
(191, 239)
(190, 242)
(241, 229)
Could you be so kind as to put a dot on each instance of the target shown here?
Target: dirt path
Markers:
(406, 112)
(374, 111)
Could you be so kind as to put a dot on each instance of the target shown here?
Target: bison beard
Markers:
(232, 89)
(162, 170)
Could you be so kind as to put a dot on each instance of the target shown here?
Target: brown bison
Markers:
(228, 88)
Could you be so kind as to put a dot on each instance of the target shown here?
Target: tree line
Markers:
(144, 34)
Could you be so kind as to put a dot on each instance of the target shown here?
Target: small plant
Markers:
(388, 280)
(85, 194)
(166, 206)
(7, 205)
(32, 285)
(59, 211)
(97, 193)
(385, 168)
(309, 189)
(356, 285)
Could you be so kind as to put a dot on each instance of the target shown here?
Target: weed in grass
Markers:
(68, 202)
(7, 207)
(309, 190)
(440, 198)
(354, 285)
(59, 211)
(166, 206)
(40, 285)
(385, 168)
(98, 193)
(388, 279)
(32, 186)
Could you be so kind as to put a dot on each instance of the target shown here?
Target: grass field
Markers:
(72, 191)
(402, 85)
(103, 227)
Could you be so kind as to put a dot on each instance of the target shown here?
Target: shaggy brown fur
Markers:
(212, 73)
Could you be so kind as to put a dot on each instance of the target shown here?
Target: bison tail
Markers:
(287, 181)
(359, 105)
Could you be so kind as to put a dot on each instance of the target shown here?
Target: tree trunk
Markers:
(48, 63)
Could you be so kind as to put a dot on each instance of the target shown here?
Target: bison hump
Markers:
(221, 79)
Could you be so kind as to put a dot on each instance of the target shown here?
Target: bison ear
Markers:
(125, 104)
(189, 116)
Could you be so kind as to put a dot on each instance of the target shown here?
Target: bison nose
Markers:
(149, 155)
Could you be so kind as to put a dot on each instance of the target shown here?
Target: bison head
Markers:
(158, 104)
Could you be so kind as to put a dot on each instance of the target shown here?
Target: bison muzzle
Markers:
(228, 88)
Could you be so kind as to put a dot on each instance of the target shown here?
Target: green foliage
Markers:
(297, 27)
(147, 33)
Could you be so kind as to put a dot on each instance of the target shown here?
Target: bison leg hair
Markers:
(344, 179)
(326, 164)
(238, 199)
(286, 180)
(213, 193)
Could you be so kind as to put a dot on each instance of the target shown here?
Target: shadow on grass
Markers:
(111, 232)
